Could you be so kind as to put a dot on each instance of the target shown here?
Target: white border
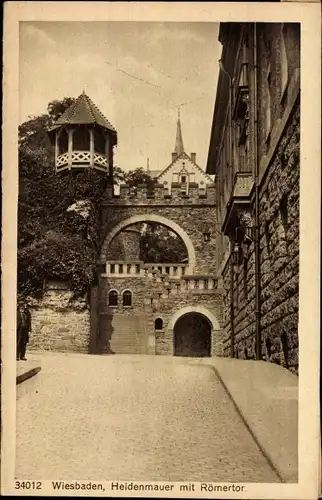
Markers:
(310, 16)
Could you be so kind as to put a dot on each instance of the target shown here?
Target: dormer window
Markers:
(183, 179)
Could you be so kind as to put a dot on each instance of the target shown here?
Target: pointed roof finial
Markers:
(148, 165)
(178, 149)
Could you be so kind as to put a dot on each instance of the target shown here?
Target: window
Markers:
(127, 298)
(268, 102)
(112, 268)
(284, 212)
(284, 220)
(158, 324)
(245, 279)
(183, 179)
(267, 237)
(121, 268)
(113, 298)
(81, 139)
(63, 141)
(283, 62)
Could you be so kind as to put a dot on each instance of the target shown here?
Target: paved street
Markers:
(132, 418)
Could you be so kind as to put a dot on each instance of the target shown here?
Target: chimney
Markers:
(174, 156)
(193, 157)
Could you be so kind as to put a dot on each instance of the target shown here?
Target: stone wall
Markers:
(59, 324)
(194, 213)
(279, 246)
(152, 300)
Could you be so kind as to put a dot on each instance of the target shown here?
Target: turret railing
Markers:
(81, 159)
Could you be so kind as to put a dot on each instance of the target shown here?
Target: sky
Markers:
(137, 73)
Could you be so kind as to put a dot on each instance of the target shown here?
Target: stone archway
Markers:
(192, 336)
(192, 328)
(152, 218)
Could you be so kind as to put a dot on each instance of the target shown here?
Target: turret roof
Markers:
(83, 111)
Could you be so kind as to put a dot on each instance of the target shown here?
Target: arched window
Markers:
(112, 298)
(99, 141)
(158, 324)
(283, 60)
(63, 141)
(127, 298)
(81, 139)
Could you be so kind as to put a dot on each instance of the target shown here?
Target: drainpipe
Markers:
(258, 339)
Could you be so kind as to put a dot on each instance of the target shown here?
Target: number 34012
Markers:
(28, 485)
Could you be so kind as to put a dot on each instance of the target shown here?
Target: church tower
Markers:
(183, 169)
(178, 148)
(83, 138)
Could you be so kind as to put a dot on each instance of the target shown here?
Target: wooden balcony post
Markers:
(91, 147)
(70, 147)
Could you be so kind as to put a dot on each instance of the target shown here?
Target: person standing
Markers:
(23, 331)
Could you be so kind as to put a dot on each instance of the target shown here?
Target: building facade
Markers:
(255, 153)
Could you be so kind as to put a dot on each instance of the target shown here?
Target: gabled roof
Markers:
(186, 157)
(83, 111)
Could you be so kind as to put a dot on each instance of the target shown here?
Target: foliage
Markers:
(134, 178)
(57, 237)
(159, 244)
(57, 108)
(52, 241)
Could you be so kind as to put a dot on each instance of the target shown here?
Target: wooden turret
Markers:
(83, 138)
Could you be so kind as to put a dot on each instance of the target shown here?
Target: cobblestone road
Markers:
(132, 418)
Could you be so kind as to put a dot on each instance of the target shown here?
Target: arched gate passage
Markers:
(193, 330)
(192, 336)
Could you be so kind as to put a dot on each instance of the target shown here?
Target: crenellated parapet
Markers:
(162, 194)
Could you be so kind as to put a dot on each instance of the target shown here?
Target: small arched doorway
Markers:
(192, 336)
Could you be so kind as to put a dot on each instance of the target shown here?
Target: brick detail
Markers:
(59, 324)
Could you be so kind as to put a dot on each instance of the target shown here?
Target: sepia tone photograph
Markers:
(158, 256)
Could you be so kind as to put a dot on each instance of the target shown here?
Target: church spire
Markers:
(178, 150)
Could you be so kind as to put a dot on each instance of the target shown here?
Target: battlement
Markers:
(163, 194)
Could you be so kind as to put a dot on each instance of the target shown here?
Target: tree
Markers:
(52, 240)
(57, 108)
(160, 244)
(134, 178)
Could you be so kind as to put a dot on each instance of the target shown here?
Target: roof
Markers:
(83, 111)
(178, 148)
(186, 157)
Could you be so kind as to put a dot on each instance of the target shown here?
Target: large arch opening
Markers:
(146, 218)
(192, 336)
(148, 242)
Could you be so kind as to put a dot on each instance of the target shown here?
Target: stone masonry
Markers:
(157, 293)
(279, 243)
(193, 213)
(59, 324)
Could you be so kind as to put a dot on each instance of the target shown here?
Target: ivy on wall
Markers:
(58, 215)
